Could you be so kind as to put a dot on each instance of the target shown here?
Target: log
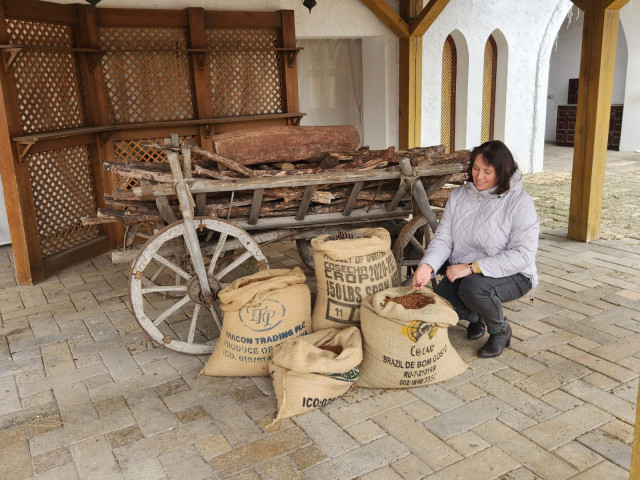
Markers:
(156, 172)
(279, 144)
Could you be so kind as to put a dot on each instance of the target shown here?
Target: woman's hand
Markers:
(421, 276)
(454, 272)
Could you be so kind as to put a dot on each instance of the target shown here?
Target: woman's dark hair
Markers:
(500, 158)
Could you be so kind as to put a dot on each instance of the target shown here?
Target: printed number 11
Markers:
(339, 312)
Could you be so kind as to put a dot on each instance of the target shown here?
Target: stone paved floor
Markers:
(85, 394)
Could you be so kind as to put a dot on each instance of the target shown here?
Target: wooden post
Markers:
(635, 453)
(200, 72)
(201, 92)
(16, 182)
(289, 71)
(410, 81)
(599, 36)
(94, 91)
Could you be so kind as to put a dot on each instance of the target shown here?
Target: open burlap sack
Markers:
(407, 347)
(348, 270)
(309, 372)
(260, 312)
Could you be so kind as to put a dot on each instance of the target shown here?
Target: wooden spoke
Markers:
(172, 266)
(216, 253)
(236, 263)
(194, 320)
(162, 289)
(170, 311)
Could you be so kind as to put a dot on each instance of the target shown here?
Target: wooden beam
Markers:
(410, 81)
(581, 4)
(635, 452)
(597, 63)
(410, 94)
(16, 181)
(615, 4)
(388, 16)
(427, 16)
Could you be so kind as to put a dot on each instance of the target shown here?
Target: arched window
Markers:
(448, 108)
(489, 90)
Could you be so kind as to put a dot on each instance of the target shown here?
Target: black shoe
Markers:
(475, 330)
(496, 344)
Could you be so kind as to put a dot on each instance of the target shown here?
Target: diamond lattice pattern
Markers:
(47, 82)
(127, 151)
(142, 85)
(63, 191)
(447, 95)
(488, 83)
(245, 77)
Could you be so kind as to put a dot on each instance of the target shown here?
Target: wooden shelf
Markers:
(25, 142)
(97, 53)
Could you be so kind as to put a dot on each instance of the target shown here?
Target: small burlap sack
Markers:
(260, 312)
(407, 347)
(309, 372)
(348, 270)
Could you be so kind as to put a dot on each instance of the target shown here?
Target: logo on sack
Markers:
(264, 316)
(350, 376)
(417, 328)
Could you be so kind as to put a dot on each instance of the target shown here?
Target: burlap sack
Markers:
(407, 347)
(348, 270)
(260, 312)
(306, 377)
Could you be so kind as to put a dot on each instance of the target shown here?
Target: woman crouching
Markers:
(489, 234)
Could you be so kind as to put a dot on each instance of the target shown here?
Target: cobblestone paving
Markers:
(85, 394)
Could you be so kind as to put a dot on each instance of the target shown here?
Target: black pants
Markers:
(476, 296)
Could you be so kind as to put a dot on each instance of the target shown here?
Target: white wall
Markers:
(524, 26)
(629, 138)
(565, 64)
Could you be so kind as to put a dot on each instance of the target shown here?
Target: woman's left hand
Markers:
(460, 270)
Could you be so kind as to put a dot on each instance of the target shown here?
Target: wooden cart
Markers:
(176, 276)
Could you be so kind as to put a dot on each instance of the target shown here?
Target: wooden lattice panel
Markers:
(488, 83)
(447, 95)
(143, 85)
(245, 72)
(63, 191)
(138, 151)
(47, 82)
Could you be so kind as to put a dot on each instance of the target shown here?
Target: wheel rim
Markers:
(164, 290)
(411, 244)
(305, 251)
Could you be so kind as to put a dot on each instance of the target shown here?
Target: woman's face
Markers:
(484, 175)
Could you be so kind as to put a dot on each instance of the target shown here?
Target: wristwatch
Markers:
(471, 267)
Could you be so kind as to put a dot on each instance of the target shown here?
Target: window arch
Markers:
(448, 95)
(489, 90)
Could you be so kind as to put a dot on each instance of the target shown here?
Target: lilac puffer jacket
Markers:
(499, 232)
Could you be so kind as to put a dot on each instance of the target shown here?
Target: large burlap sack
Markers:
(407, 346)
(260, 312)
(348, 270)
(309, 372)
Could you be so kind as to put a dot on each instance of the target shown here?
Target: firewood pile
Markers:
(263, 152)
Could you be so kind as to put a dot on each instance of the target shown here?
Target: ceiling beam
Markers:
(427, 16)
(388, 16)
(615, 4)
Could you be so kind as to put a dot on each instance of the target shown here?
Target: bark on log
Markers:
(141, 171)
(285, 143)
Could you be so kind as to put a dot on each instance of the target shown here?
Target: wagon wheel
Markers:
(165, 292)
(410, 246)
